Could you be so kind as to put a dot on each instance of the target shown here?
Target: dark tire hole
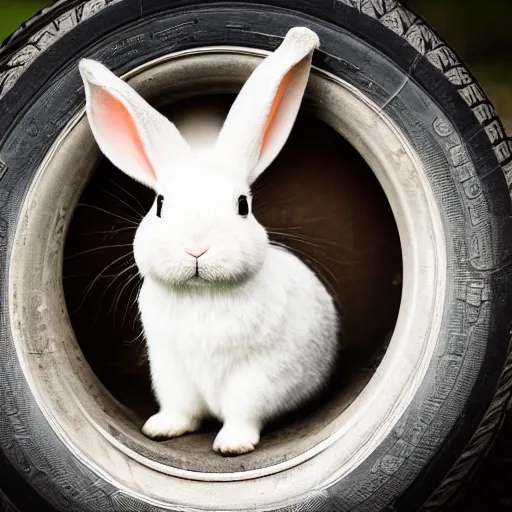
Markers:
(329, 208)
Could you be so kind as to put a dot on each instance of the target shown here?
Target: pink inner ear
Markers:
(120, 131)
(275, 107)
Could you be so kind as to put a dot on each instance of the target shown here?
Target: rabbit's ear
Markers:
(262, 116)
(132, 135)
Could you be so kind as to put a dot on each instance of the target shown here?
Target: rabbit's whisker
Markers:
(306, 241)
(279, 232)
(100, 301)
(306, 255)
(126, 219)
(130, 304)
(110, 232)
(95, 280)
(94, 249)
(293, 237)
(111, 194)
(120, 292)
(143, 210)
(139, 336)
(116, 277)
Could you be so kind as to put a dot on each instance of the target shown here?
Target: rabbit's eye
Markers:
(159, 203)
(243, 206)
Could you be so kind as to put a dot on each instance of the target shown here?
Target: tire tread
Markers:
(429, 44)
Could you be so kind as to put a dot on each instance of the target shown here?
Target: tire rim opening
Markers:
(322, 201)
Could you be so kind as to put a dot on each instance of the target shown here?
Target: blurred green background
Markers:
(479, 30)
(15, 12)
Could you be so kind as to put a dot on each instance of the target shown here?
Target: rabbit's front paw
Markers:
(236, 439)
(167, 425)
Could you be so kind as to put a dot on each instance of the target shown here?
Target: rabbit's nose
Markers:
(196, 253)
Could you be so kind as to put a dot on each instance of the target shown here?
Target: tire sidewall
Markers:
(462, 170)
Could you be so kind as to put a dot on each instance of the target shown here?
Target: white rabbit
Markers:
(236, 328)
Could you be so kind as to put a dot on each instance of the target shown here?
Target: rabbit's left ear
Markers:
(134, 136)
(263, 114)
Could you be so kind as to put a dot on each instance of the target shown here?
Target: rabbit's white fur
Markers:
(246, 331)
(254, 342)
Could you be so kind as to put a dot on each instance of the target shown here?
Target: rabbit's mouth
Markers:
(179, 273)
(205, 279)
(198, 280)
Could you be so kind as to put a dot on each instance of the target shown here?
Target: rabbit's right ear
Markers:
(131, 134)
(262, 116)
